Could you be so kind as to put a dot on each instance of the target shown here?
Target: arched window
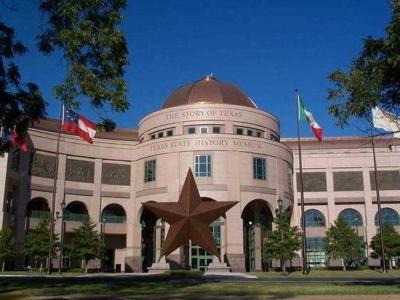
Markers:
(352, 217)
(389, 216)
(314, 218)
(114, 213)
(76, 211)
(38, 208)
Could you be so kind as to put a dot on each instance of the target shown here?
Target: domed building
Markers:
(236, 154)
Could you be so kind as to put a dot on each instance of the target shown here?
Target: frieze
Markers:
(43, 166)
(204, 113)
(206, 142)
(116, 174)
(79, 170)
(348, 181)
(388, 180)
(312, 182)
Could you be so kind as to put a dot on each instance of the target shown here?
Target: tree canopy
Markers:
(342, 242)
(95, 55)
(373, 78)
(94, 50)
(391, 243)
(283, 242)
(21, 103)
(6, 245)
(37, 242)
(86, 243)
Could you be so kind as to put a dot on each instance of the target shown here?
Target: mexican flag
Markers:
(305, 114)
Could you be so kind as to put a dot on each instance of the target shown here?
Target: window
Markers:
(290, 177)
(274, 137)
(203, 130)
(149, 170)
(249, 132)
(160, 134)
(153, 136)
(316, 256)
(239, 131)
(192, 130)
(202, 165)
(259, 168)
(389, 216)
(352, 217)
(170, 133)
(258, 133)
(216, 130)
(314, 218)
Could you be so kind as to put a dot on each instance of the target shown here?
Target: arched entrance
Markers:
(257, 219)
(113, 230)
(148, 222)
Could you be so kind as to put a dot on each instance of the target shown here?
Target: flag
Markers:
(386, 121)
(78, 125)
(18, 141)
(306, 115)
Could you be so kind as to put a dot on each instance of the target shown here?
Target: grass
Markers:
(187, 290)
(190, 284)
(332, 274)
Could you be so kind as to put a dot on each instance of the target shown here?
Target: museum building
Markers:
(235, 152)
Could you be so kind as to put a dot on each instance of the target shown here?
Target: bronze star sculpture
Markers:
(189, 218)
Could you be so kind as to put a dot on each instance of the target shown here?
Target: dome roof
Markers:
(208, 90)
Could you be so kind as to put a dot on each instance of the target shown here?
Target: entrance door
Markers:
(200, 259)
(251, 248)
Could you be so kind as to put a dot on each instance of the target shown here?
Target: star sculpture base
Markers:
(160, 267)
(216, 266)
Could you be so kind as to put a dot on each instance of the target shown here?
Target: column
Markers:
(23, 197)
(133, 258)
(331, 196)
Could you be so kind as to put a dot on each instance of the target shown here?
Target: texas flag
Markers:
(79, 125)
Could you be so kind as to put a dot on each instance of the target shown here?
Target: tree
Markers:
(86, 243)
(6, 245)
(342, 242)
(37, 243)
(283, 242)
(20, 104)
(373, 78)
(391, 242)
(94, 49)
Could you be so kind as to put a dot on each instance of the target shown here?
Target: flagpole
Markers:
(53, 199)
(303, 219)
(378, 200)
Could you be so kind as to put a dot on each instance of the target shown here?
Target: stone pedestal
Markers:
(160, 267)
(217, 266)
(133, 264)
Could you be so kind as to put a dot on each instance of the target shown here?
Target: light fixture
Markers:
(280, 203)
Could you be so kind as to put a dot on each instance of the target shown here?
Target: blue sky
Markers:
(268, 48)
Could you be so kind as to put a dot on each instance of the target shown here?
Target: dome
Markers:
(208, 90)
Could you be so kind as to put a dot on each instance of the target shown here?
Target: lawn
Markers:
(192, 289)
(332, 274)
(184, 285)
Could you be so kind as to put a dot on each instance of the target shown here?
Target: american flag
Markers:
(79, 125)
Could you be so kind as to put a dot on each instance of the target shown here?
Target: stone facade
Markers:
(235, 154)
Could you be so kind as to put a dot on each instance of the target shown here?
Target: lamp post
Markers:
(280, 207)
(50, 257)
(103, 233)
(248, 245)
(60, 263)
